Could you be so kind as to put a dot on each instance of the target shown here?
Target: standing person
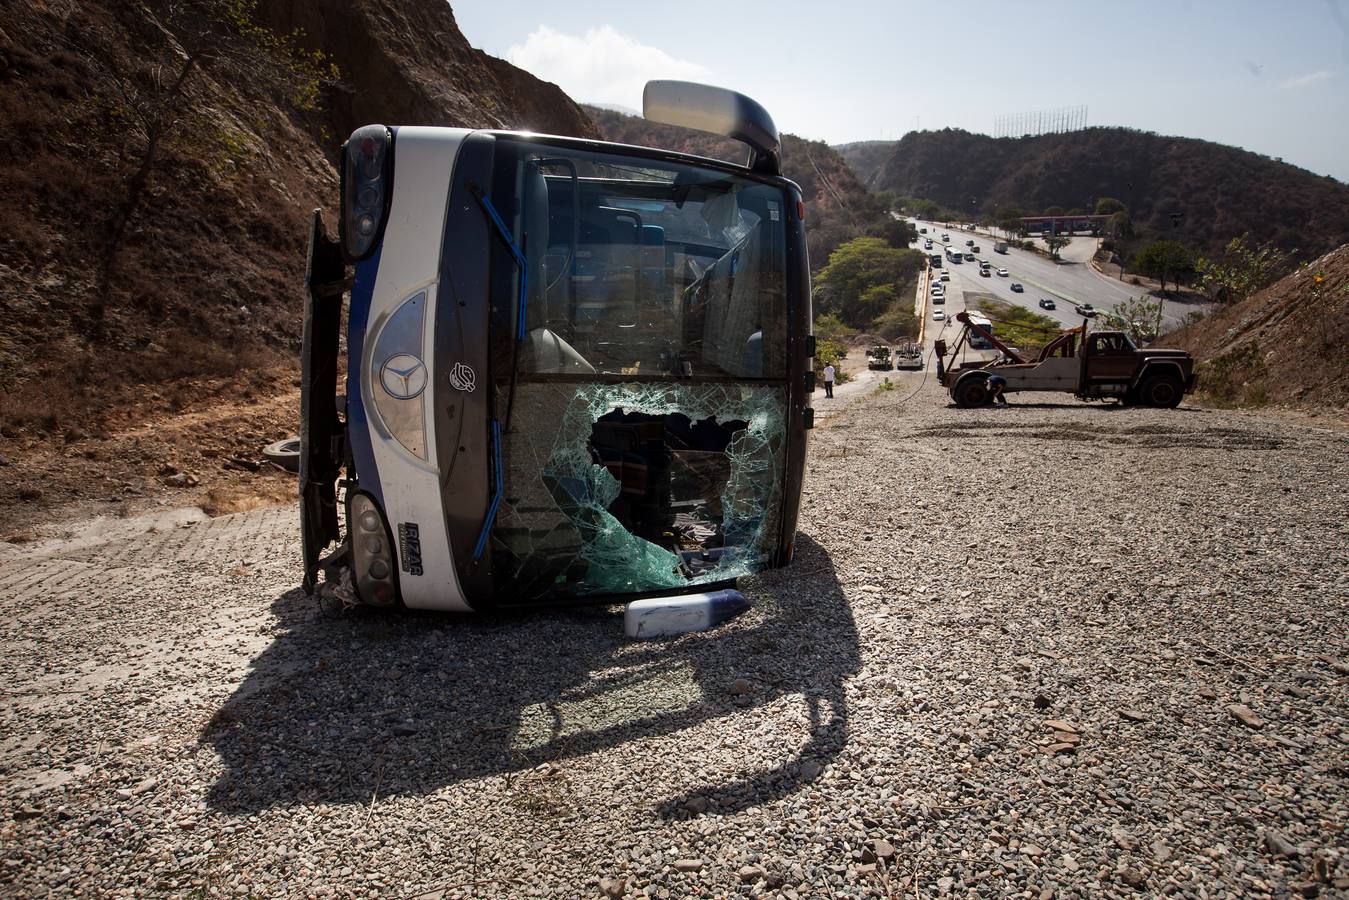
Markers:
(829, 380)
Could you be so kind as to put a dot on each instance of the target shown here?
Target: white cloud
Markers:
(1307, 80)
(603, 65)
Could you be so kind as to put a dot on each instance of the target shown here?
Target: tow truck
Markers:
(878, 357)
(909, 356)
(1091, 366)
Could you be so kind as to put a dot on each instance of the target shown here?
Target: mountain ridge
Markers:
(1221, 191)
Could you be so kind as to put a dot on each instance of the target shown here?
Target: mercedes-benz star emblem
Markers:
(403, 376)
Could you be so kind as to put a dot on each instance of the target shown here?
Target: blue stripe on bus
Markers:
(358, 428)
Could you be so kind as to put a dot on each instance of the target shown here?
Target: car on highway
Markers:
(983, 270)
(939, 316)
(1086, 310)
(927, 245)
(1002, 272)
(974, 247)
(1017, 288)
(969, 243)
(945, 276)
(1046, 303)
(922, 231)
(938, 299)
(946, 239)
(969, 257)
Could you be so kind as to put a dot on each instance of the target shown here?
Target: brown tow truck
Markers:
(1092, 366)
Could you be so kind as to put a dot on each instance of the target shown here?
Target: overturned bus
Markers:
(574, 370)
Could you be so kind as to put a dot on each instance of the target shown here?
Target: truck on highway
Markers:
(1091, 366)
(1000, 247)
(878, 357)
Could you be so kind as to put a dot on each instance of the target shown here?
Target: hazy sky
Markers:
(1269, 77)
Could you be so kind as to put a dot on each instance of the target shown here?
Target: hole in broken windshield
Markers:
(672, 473)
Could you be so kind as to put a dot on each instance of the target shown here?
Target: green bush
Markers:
(1235, 378)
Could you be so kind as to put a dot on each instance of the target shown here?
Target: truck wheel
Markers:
(1162, 391)
(970, 393)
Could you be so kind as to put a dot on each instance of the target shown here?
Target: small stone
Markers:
(1067, 737)
(1308, 889)
(749, 874)
(404, 729)
(24, 813)
(1031, 850)
(1132, 877)
(1279, 845)
(1042, 702)
(1054, 749)
(883, 848)
(1208, 693)
(146, 784)
(866, 868)
(695, 805)
(1069, 863)
(1245, 715)
(613, 887)
(945, 883)
(689, 865)
(811, 769)
(739, 687)
(124, 794)
(1132, 715)
(1060, 725)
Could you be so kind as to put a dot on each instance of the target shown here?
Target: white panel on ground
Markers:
(663, 616)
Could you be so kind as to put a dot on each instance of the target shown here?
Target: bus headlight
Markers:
(371, 563)
(365, 189)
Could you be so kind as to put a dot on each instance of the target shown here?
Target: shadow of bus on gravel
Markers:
(388, 704)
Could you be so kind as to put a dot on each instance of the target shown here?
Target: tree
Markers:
(887, 200)
(1107, 206)
(156, 103)
(864, 277)
(1138, 317)
(1055, 243)
(926, 209)
(1054, 211)
(1243, 269)
(1165, 260)
(896, 232)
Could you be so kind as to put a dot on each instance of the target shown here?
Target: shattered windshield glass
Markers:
(647, 431)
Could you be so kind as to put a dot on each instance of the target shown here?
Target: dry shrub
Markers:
(227, 499)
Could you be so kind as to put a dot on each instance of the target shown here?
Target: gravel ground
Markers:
(1050, 650)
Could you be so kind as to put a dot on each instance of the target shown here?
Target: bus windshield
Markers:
(646, 395)
(645, 268)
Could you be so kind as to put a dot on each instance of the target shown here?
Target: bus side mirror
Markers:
(703, 107)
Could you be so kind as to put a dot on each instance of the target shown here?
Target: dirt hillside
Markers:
(1285, 345)
(160, 163)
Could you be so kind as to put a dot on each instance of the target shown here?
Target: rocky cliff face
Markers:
(122, 281)
(405, 62)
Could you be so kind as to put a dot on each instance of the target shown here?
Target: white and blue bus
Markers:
(977, 340)
(574, 370)
(953, 255)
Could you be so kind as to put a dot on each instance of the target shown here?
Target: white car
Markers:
(1002, 272)
(939, 316)
(927, 245)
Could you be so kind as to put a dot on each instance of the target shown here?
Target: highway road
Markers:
(1067, 282)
